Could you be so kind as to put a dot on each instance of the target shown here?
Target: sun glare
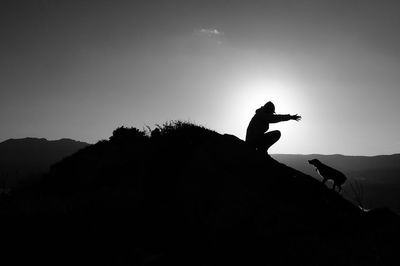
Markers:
(250, 95)
(255, 94)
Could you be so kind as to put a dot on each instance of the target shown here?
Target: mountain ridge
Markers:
(23, 158)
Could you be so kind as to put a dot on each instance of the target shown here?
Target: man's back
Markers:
(258, 125)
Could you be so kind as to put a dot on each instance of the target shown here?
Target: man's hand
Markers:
(296, 117)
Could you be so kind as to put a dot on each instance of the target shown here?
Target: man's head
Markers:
(269, 107)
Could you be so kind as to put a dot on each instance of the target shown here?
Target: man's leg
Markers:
(269, 139)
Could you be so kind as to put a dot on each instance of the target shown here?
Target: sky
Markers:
(80, 69)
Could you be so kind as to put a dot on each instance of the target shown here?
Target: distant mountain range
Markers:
(23, 158)
(377, 176)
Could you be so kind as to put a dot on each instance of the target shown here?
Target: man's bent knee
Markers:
(276, 134)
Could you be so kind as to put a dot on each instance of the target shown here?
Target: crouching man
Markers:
(257, 135)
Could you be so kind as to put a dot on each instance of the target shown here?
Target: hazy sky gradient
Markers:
(80, 69)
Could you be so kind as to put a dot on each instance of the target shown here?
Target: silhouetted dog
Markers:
(327, 172)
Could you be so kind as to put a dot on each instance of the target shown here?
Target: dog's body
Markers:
(327, 172)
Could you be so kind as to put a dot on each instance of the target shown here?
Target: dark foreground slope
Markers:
(188, 196)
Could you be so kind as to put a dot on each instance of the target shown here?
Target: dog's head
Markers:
(314, 162)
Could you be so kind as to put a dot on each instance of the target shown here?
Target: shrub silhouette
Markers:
(122, 134)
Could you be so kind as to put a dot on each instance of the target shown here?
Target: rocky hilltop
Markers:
(186, 195)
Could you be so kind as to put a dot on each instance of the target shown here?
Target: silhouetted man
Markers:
(256, 134)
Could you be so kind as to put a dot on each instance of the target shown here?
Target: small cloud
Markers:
(209, 32)
(213, 35)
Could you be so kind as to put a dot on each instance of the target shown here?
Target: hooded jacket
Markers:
(259, 124)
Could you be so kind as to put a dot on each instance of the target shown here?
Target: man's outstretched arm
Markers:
(281, 118)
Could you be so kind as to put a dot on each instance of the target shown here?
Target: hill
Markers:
(21, 159)
(187, 195)
(377, 176)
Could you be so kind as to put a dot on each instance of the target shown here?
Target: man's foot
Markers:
(264, 153)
